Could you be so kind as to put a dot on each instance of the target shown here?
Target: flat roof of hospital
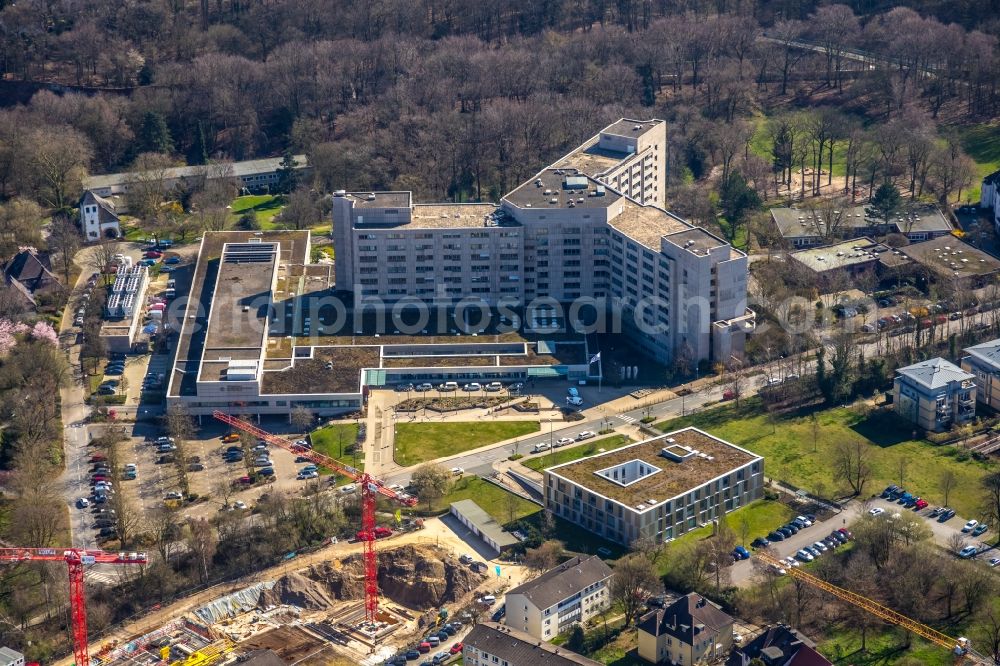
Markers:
(715, 458)
(550, 189)
(196, 334)
(646, 225)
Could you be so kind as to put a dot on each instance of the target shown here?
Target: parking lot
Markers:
(944, 532)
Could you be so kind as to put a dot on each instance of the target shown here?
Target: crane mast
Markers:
(371, 489)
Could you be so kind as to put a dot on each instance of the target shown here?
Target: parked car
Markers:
(404, 388)
(760, 542)
(946, 515)
(979, 529)
(563, 441)
(493, 387)
(967, 552)
(472, 387)
(266, 471)
(804, 555)
(969, 526)
(574, 400)
(586, 434)
(172, 260)
(920, 504)
(877, 511)
(775, 536)
(82, 503)
(424, 387)
(741, 553)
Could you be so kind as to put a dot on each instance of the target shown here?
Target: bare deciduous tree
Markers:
(851, 461)
(633, 580)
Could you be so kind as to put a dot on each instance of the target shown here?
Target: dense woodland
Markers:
(462, 100)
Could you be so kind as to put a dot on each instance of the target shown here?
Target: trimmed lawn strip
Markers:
(266, 206)
(493, 499)
(560, 456)
(421, 442)
(339, 440)
(790, 455)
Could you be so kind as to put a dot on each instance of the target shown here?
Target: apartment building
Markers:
(571, 593)
(566, 234)
(935, 394)
(492, 644)
(656, 489)
(692, 630)
(983, 362)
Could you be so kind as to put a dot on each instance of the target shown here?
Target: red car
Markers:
(98, 477)
(456, 648)
(97, 458)
(380, 533)
(153, 254)
(921, 504)
(729, 395)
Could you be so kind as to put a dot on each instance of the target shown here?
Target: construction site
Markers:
(316, 615)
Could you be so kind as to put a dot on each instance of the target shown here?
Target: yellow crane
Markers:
(959, 646)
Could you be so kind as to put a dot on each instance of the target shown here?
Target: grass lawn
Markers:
(266, 205)
(493, 499)
(421, 442)
(790, 455)
(560, 456)
(883, 647)
(982, 143)
(760, 517)
(338, 440)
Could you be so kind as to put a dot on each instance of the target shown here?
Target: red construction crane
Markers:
(370, 489)
(75, 559)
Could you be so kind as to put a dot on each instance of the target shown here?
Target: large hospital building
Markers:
(592, 225)
(267, 328)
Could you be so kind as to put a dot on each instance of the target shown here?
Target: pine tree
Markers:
(154, 135)
(198, 153)
(287, 178)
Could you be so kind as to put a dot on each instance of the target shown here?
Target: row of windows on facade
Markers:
(450, 291)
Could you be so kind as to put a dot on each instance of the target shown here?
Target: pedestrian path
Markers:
(627, 419)
(108, 578)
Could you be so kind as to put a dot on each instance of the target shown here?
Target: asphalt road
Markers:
(481, 462)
